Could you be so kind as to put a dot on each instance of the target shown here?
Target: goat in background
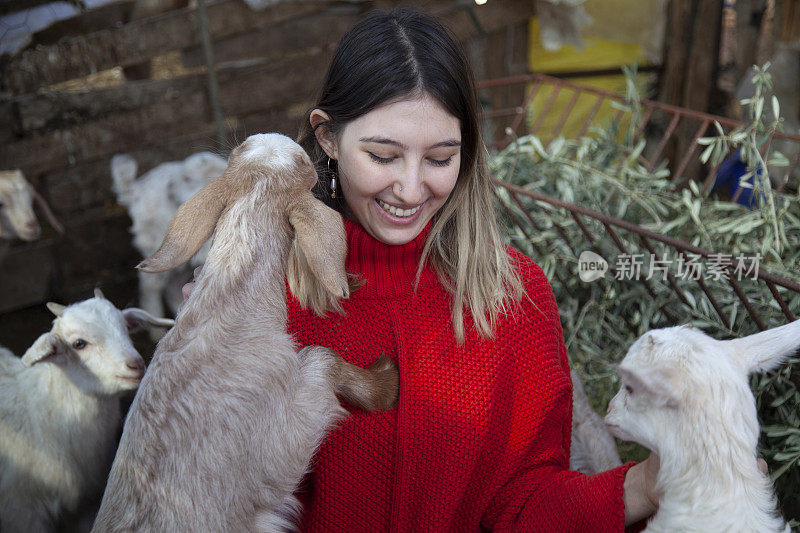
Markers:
(17, 219)
(151, 201)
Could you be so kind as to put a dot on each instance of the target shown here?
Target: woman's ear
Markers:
(325, 137)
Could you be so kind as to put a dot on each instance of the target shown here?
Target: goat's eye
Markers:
(629, 389)
(79, 344)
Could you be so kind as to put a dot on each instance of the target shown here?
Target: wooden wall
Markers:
(66, 109)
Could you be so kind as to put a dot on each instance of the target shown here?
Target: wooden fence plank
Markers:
(60, 109)
(139, 41)
(318, 30)
(97, 251)
(244, 91)
(92, 20)
(324, 29)
(38, 111)
(27, 275)
(115, 133)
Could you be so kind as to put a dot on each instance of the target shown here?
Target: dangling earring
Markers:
(333, 179)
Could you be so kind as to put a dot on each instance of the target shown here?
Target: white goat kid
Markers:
(686, 396)
(60, 411)
(229, 415)
(152, 200)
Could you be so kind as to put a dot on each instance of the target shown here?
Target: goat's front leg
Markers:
(374, 388)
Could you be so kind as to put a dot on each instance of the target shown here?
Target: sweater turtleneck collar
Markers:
(385, 270)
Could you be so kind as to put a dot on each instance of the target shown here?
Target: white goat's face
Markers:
(99, 354)
(678, 381)
(17, 218)
(645, 402)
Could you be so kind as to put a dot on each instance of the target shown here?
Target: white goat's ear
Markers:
(56, 309)
(661, 383)
(123, 171)
(47, 346)
(323, 241)
(768, 349)
(193, 223)
(138, 319)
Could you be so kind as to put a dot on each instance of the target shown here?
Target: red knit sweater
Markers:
(480, 437)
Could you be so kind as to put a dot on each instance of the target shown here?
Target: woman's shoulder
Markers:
(534, 322)
(535, 282)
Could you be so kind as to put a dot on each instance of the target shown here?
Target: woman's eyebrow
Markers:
(447, 143)
(392, 142)
(383, 140)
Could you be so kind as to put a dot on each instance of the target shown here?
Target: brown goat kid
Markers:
(229, 414)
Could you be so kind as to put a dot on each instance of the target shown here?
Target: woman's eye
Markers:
(379, 159)
(79, 344)
(441, 162)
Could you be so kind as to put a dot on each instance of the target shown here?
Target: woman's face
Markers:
(397, 166)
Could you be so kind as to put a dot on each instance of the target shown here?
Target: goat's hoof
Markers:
(386, 373)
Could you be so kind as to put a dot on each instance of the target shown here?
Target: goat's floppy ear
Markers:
(661, 383)
(768, 349)
(192, 225)
(47, 346)
(138, 319)
(322, 239)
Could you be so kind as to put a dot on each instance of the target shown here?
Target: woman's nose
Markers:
(408, 187)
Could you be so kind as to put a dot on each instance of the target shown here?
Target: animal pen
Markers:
(68, 108)
(683, 159)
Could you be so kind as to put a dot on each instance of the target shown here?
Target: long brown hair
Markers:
(390, 56)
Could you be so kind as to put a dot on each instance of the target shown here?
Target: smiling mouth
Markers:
(396, 211)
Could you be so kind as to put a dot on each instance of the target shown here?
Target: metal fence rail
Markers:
(667, 126)
(528, 120)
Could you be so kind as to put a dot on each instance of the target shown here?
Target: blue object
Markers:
(729, 175)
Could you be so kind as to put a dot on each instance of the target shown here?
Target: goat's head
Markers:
(282, 170)
(90, 342)
(197, 170)
(17, 218)
(678, 381)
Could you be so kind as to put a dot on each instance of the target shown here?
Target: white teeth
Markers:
(397, 212)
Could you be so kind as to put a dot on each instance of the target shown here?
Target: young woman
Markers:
(480, 437)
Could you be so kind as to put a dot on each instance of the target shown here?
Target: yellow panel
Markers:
(598, 53)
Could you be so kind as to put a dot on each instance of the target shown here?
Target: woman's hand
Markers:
(639, 490)
(187, 289)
